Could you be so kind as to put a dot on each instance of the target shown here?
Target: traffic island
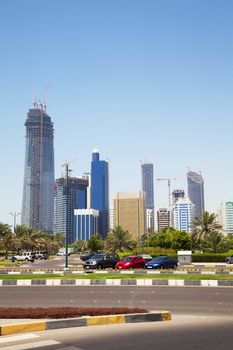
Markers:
(102, 319)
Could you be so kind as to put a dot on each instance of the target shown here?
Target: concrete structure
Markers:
(163, 218)
(100, 191)
(176, 194)
(225, 216)
(86, 223)
(148, 188)
(183, 214)
(111, 218)
(129, 212)
(77, 199)
(37, 203)
(196, 191)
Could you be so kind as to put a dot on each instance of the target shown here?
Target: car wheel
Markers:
(26, 260)
(228, 262)
(99, 267)
(175, 266)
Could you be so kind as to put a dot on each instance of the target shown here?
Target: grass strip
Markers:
(94, 276)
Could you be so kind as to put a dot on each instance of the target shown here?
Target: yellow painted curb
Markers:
(166, 316)
(111, 319)
(22, 327)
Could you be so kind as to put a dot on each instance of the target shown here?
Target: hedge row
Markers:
(196, 257)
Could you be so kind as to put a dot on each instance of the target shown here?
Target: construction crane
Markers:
(168, 179)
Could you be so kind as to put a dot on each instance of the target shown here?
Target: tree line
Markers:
(207, 236)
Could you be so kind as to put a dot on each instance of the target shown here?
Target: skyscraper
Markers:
(100, 191)
(148, 188)
(129, 212)
(37, 204)
(196, 191)
(183, 214)
(77, 199)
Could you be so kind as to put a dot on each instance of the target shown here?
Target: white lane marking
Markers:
(8, 339)
(32, 345)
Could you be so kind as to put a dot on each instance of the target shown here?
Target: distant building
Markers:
(225, 216)
(176, 194)
(148, 188)
(100, 191)
(129, 212)
(111, 218)
(77, 199)
(183, 214)
(163, 218)
(196, 191)
(86, 223)
(37, 203)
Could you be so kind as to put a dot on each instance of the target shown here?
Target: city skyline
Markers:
(136, 80)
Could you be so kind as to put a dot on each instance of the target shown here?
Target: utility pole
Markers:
(14, 214)
(66, 166)
(168, 179)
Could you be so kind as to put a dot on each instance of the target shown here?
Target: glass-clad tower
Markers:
(196, 191)
(148, 188)
(37, 205)
(100, 191)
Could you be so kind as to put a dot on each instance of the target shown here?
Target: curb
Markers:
(153, 316)
(116, 282)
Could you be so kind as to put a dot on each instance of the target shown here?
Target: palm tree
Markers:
(204, 225)
(119, 240)
(6, 238)
(95, 243)
(215, 243)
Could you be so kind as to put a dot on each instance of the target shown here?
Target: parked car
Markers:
(25, 256)
(146, 257)
(162, 262)
(41, 255)
(101, 261)
(61, 253)
(131, 262)
(229, 259)
(86, 255)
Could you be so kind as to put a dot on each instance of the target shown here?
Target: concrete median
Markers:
(153, 316)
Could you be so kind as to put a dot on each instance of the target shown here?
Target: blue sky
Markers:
(136, 79)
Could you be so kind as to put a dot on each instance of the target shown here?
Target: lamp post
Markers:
(14, 214)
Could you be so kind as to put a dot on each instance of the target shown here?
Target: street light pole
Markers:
(14, 214)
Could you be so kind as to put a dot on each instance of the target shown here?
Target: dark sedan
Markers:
(86, 256)
(162, 262)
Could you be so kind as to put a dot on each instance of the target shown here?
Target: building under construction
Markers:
(38, 198)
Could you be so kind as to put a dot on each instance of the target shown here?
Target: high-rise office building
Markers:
(183, 214)
(37, 204)
(100, 191)
(196, 191)
(148, 188)
(163, 218)
(86, 223)
(77, 199)
(225, 217)
(129, 212)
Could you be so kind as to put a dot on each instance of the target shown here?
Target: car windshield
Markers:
(158, 259)
(128, 258)
(97, 256)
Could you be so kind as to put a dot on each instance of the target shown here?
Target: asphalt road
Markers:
(179, 300)
(183, 332)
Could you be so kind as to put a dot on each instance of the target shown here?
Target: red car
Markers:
(131, 262)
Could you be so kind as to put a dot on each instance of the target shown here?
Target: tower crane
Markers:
(168, 179)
